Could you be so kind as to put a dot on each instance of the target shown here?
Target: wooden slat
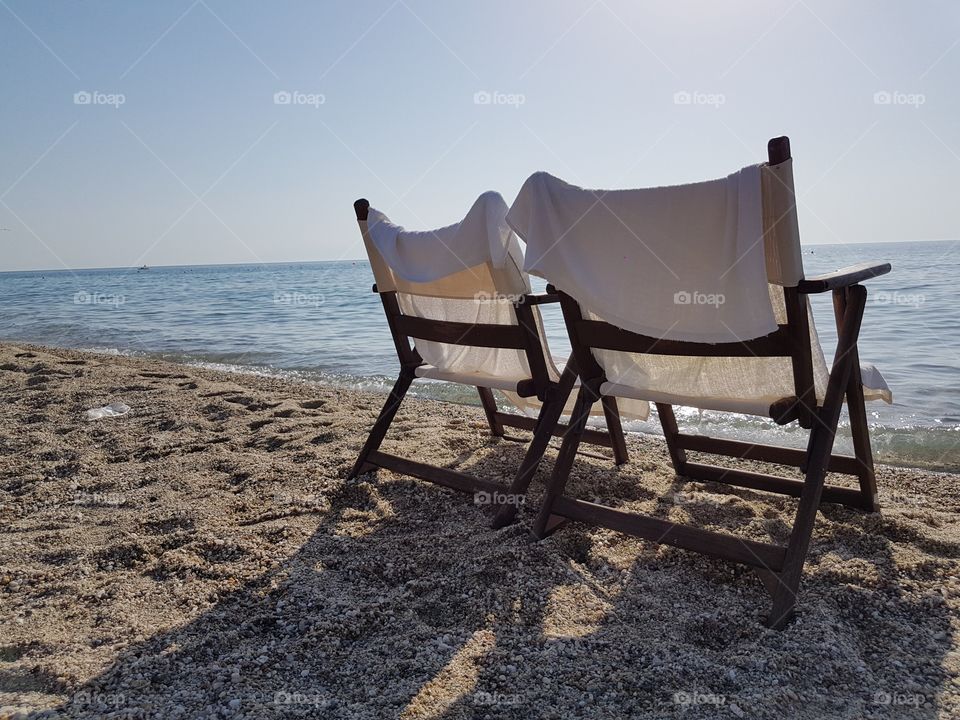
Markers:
(457, 333)
(843, 278)
(766, 453)
(772, 483)
(431, 473)
(594, 437)
(604, 336)
(728, 547)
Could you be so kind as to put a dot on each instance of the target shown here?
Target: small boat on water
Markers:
(142, 267)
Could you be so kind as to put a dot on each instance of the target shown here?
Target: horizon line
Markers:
(364, 259)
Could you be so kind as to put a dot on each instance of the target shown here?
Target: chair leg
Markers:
(490, 410)
(380, 427)
(545, 521)
(612, 415)
(668, 421)
(547, 419)
(819, 449)
(859, 428)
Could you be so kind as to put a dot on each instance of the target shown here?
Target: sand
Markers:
(203, 556)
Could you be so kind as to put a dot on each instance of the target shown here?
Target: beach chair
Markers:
(477, 323)
(781, 374)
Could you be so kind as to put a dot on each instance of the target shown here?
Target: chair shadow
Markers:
(404, 603)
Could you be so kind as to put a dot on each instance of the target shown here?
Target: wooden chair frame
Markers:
(779, 567)
(525, 336)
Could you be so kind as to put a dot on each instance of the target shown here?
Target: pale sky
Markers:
(183, 156)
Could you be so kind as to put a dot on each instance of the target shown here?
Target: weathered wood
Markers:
(586, 398)
(545, 427)
(819, 449)
(856, 408)
(776, 454)
(706, 542)
(604, 336)
(611, 414)
(668, 421)
(458, 333)
(522, 422)
(361, 207)
(489, 405)
(844, 277)
(850, 497)
(380, 427)
(432, 473)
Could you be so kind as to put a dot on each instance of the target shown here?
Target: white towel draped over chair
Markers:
(704, 262)
(468, 272)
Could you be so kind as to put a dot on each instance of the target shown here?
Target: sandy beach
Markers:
(203, 556)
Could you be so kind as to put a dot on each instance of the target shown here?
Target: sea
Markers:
(320, 322)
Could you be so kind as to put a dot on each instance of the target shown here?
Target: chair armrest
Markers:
(844, 277)
(539, 298)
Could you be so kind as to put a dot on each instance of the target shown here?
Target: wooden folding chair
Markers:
(779, 567)
(524, 336)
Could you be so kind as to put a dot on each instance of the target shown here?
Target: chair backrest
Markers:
(606, 351)
(471, 321)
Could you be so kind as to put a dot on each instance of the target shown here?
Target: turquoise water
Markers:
(320, 321)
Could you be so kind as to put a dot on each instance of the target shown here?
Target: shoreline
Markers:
(302, 377)
(202, 556)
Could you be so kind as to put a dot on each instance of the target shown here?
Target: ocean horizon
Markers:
(319, 321)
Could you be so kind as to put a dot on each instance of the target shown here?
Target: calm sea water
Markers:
(321, 322)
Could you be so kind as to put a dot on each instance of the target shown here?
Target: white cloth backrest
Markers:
(469, 272)
(681, 263)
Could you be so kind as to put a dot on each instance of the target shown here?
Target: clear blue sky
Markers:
(200, 165)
